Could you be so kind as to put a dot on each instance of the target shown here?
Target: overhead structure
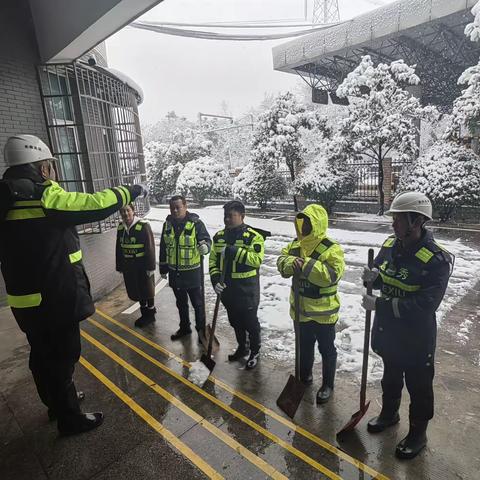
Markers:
(426, 33)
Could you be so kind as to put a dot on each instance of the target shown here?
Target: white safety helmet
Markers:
(411, 202)
(23, 149)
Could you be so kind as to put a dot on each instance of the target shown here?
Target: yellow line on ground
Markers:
(154, 423)
(271, 413)
(239, 448)
(274, 438)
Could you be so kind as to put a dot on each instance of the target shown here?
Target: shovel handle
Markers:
(215, 313)
(366, 339)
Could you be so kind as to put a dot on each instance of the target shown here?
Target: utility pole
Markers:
(325, 11)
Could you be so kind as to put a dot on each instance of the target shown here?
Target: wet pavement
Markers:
(159, 425)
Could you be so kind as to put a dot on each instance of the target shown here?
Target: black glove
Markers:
(139, 190)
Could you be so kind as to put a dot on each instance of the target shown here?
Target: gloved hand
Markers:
(369, 275)
(164, 276)
(298, 265)
(150, 273)
(369, 302)
(219, 288)
(139, 190)
(203, 248)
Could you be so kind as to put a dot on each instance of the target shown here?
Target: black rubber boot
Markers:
(414, 442)
(388, 417)
(180, 333)
(79, 423)
(148, 317)
(329, 367)
(51, 413)
(239, 353)
(252, 361)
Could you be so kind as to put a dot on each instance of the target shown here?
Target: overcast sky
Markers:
(190, 75)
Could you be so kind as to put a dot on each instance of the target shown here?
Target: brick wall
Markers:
(20, 103)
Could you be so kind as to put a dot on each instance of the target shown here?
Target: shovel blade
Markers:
(291, 396)
(208, 362)
(356, 417)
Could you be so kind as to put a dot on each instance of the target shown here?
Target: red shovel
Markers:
(357, 416)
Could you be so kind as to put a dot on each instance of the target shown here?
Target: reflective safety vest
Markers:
(318, 286)
(182, 251)
(248, 257)
(129, 244)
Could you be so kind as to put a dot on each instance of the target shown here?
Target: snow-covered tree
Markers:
(472, 30)
(277, 140)
(449, 174)
(382, 120)
(259, 186)
(203, 177)
(329, 177)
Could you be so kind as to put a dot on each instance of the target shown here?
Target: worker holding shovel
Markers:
(318, 263)
(238, 251)
(412, 273)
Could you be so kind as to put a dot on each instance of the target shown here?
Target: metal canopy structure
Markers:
(427, 33)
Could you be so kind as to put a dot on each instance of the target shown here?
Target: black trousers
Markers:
(245, 320)
(54, 351)
(196, 297)
(324, 335)
(419, 382)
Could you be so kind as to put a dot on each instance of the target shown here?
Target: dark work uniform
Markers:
(135, 255)
(241, 297)
(412, 283)
(47, 287)
(179, 257)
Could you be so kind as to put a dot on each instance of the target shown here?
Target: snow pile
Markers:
(198, 373)
(449, 174)
(202, 178)
(472, 30)
(277, 326)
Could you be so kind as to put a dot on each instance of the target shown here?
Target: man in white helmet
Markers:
(412, 272)
(41, 261)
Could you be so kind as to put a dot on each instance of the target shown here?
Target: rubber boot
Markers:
(51, 412)
(329, 367)
(148, 317)
(414, 442)
(79, 423)
(239, 353)
(388, 417)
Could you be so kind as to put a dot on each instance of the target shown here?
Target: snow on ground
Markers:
(277, 329)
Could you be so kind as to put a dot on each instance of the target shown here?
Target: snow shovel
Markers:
(205, 339)
(291, 396)
(206, 359)
(357, 416)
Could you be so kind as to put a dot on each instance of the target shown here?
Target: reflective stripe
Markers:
(25, 214)
(243, 254)
(238, 254)
(424, 254)
(396, 310)
(122, 194)
(389, 242)
(251, 273)
(127, 194)
(307, 269)
(75, 257)
(332, 272)
(28, 203)
(132, 245)
(136, 255)
(324, 313)
(24, 301)
(138, 226)
(397, 283)
(328, 290)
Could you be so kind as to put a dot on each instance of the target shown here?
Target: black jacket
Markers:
(40, 254)
(412, 283)
(186, 279)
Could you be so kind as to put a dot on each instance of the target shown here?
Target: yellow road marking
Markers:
(271, 413)
(251, 457)
(274, 438)
(154, 423)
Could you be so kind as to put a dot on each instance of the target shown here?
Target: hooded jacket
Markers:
(322, 269)
(40, 253)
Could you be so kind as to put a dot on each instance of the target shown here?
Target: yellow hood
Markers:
(319, 218)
